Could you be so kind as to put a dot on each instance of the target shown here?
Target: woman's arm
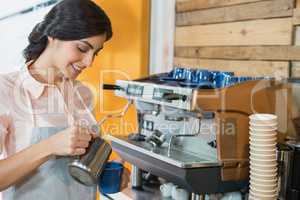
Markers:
(70, 141)
(16, 167)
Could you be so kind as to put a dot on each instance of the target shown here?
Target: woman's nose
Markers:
(87, 60)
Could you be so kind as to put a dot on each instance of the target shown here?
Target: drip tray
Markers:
(176, 157)
(186, 170)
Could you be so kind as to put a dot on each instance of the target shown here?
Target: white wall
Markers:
(162, 35)
(14, 31)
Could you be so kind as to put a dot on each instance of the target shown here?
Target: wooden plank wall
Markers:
(250, 37)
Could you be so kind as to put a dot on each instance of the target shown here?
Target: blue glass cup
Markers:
(229, 73)
(201, 76)
(234, 80)
(222, 80)
(188, 74)
(171, 73)
(111, 178)
(214, 74)
(178, 73)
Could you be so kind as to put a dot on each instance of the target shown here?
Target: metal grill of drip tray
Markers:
(195, 174)
(174, 157)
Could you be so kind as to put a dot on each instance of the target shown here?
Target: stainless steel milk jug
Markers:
(87, 168)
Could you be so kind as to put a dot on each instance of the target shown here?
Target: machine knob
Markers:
(213, 144)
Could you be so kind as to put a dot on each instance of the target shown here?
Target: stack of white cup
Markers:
(263, 163)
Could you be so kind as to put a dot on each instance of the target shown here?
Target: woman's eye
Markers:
(97, 52)
(82, 50)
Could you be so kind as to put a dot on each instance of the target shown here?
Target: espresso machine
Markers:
(195, 137)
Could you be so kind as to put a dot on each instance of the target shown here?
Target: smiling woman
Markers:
(45, 113)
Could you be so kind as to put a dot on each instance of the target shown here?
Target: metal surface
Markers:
(178, 158)
(295, 144)
(81, 173)
(149, 90)
(202, 180)
(294, 189)
(136, 177)
(288, 156)
(284, 158)
(171, 141)
(87, 169)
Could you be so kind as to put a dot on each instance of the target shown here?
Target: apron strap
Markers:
(70, 107)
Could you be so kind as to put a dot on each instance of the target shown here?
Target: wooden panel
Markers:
(258, 10)
(241, 53)
(296, 16)
(296, 36)
(297, 3)
(295, 69)
(188, 5)
(257, 32)
(241, 68)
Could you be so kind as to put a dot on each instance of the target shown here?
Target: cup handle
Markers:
(161, 188)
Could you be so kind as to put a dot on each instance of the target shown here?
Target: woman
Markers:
(42, 105)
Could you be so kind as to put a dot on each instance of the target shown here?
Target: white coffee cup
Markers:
(263, 134)
(259, 150)
(262, 156)
(263, 192)
(254, 145)
(179, 193)
(263, 141)
(263, 118)
(262, 129)
(262, 177)
(253, 196)
(263, 186)
(166, 189)
(263, 167)
(263, 124)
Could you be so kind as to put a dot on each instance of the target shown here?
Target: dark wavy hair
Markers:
(68, 20)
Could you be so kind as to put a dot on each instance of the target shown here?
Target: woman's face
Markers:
(70, 58)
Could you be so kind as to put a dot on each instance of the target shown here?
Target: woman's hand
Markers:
(71, 141)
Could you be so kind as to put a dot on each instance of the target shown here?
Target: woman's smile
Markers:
(76, 68)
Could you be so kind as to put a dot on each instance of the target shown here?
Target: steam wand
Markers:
(97, 127)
